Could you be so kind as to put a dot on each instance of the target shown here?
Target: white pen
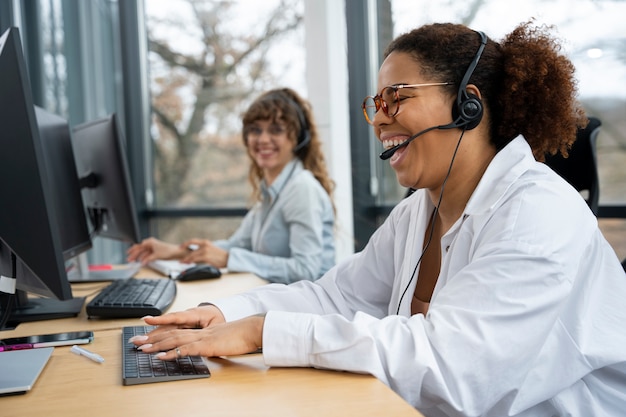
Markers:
(84, 352)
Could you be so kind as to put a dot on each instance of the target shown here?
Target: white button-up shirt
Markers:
(528, 317)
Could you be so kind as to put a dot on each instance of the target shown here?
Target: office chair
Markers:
(580, 168)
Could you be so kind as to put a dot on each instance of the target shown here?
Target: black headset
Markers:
(304, 136)
(468, 109)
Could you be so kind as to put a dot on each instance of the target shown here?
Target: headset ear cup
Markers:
(472, 111)
(303, 140)
(304, 135)
(469, 112)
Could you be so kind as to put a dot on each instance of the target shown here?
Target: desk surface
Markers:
(72, 385)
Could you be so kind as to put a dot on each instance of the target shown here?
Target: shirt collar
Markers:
(505, 168)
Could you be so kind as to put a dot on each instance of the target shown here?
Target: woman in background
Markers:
(287, 236)
(490, 291)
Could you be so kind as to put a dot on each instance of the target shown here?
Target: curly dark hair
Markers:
(526, 84)
(285, 105)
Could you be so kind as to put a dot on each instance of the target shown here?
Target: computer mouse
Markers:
(200, 271)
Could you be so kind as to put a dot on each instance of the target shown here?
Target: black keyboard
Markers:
(144, 368)
(134, 297)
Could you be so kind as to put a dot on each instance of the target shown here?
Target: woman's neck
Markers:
(459, 187)
(270, 175)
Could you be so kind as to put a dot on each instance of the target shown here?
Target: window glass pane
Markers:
(53, 58)
(615, 232)
(208, 60)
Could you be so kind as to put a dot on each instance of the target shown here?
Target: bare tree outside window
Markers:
(208, 61)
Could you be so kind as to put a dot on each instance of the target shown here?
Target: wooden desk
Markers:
(72, 385)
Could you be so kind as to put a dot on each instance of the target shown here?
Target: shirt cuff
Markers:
(286, 338)
(235, 308)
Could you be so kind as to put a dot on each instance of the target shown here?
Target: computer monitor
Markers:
(31, 252)
(54, 132)
(100, 155)
(99, 151)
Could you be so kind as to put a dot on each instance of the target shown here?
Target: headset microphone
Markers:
(389, 152)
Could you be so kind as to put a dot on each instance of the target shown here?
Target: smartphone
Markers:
(46, 340)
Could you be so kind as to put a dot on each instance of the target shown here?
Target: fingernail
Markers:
(146, 346)
(146, 317)
(160, 355)
(141, 338)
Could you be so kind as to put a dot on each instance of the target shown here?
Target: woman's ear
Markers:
(472, 89)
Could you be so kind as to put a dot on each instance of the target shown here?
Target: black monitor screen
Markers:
(31, 252)
(61, 167)
(103, 169)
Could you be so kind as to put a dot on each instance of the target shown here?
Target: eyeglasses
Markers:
(273, 130)
(388, 100)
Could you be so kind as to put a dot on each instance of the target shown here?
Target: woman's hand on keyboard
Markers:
(195, 318)
(175, 337)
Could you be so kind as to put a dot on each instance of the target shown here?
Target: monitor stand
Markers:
(37, 309)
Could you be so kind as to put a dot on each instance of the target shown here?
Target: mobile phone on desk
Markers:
(46, 340)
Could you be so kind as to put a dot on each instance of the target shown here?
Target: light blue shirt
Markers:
(288, 235)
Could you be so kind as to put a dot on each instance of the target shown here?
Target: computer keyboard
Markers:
(134, 297)
(144, 368)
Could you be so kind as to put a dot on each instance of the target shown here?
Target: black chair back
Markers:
(580, 168)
